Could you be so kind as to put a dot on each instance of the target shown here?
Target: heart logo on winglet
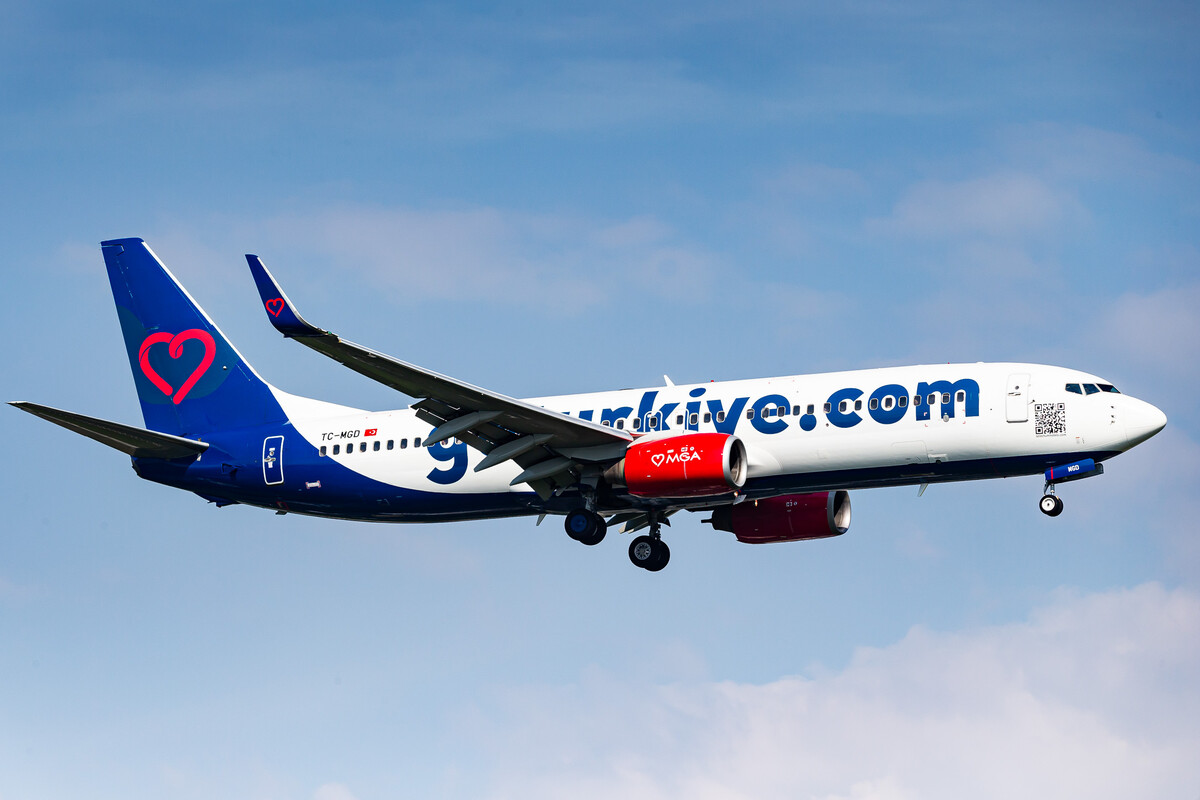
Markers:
(174, 344)
(275, 306)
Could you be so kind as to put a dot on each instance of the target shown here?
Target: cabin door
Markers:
(1016, 401)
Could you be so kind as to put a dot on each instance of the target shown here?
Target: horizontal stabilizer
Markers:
(136, 442)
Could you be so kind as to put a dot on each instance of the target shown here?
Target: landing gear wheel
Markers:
(662, 554)
(1050, 505)
(585, 526)
(642, 551)
(649, 553)
(597, 535)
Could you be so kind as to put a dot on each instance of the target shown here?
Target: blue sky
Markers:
(544, 198)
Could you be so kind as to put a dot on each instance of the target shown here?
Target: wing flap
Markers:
(136, 442)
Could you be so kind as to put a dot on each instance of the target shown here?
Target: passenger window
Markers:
(322, 451)
(679, 419)
(337, 448)
(810, 408)
(858, 405)
(376, 446)
(1073, 388)
(750, 414)
(960, 397)
(874, 403)
(416, 442)
(887, 403)
(916, 400)
(637, 423)
(694, 419)
(945, 398)
(828, 407)
(903, 401)
(391, 444)
(404, 444)
(768, 412)
(1090, 388)
(842, 406)
(604, 422)
(707, 417)
(362, 447)
(720, 416)
(621, 424)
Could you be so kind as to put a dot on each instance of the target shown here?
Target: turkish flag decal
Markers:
(370, 431)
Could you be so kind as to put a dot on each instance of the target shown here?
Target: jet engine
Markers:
(788, 518)
(688, 465)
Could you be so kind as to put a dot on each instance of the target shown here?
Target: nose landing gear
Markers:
(1050, 504)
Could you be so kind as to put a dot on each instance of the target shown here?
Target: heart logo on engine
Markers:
(275, 306)
(174, 344)
(657, 459)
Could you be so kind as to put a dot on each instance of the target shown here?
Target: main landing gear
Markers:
(650, 552)
(1050, 504)
(586, 526)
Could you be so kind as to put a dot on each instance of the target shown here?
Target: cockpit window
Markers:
(1108, 387)
(1074, 388)
(1090, 388)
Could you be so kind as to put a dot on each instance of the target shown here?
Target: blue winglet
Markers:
(280, 311)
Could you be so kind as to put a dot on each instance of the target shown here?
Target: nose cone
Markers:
(1142, 421)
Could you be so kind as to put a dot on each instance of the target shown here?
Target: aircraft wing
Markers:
(136, 442)
(549, 446)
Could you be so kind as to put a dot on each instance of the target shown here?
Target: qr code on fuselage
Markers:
(1050, 419)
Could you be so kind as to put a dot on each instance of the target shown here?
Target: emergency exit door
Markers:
(273, 460)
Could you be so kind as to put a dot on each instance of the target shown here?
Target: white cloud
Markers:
(819, 181)
(999, 205)
(1094, 696)
(487, 254)
(333, 791)
(1162, 328)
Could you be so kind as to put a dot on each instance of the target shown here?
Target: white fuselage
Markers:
(860, 428)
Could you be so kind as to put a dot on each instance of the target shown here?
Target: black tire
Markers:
(597, 536)
(1050, 505)
(662, 554)
(580, 524)
(642, 552)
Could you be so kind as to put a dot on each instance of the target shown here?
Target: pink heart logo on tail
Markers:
(174, 344)
(275, 306)
(657, 459)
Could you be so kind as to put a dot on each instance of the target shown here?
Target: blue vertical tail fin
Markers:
(189, 378)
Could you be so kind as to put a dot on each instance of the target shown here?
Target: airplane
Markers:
(772, 459)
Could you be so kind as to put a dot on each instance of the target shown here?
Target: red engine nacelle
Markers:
(789, 518)
(689, 465)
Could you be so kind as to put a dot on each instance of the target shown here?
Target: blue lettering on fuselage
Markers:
(456, 453)
(886, 405)
(968, 387)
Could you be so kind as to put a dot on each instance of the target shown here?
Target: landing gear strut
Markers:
(1050, 505)
(650, 552)
(586, 526)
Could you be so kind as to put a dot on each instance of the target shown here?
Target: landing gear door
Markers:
(273, 460)
(1016, 401)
